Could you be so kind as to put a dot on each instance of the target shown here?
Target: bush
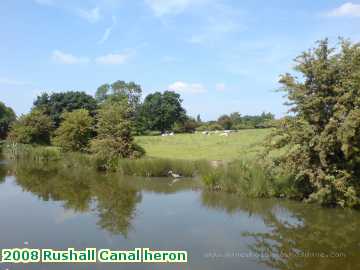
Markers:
(321, 141)
(75, 131)
(188, 125)
(7, 116)
(114, 138)
(33, 128)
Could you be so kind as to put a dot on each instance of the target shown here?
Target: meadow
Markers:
(244, 144)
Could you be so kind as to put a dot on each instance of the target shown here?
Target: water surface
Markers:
(59, 207)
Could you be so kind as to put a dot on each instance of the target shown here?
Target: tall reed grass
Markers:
(248, 178)
(17, 151)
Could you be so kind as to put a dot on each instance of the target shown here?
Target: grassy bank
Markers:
(148, 167)
(244, 144)
(189, 155)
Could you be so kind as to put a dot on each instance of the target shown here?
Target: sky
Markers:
(221, 56)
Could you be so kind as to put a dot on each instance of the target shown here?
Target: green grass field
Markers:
(243, 144)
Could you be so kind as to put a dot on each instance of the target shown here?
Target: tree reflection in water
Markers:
(292, 235)
(81, 190)
(298, 236)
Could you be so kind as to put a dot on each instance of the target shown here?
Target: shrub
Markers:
(75, 131)
(114, 138)
(33, 128)
(7, 116)
(321, 141)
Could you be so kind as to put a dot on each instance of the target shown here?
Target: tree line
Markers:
(72, 119)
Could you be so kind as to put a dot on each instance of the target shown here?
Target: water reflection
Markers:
(298, 236)
(289, 235)
(80, 189)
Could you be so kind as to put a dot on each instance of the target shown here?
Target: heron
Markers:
(174, 175)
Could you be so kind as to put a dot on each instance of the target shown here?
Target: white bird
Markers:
(174, 174)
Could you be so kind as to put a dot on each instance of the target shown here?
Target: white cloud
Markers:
(67, 58)
(168, 7)
(220, 87)
(11, 82)
(91, 15)
(183, 87)
(348, 9)
(108, 31)
(114, 58)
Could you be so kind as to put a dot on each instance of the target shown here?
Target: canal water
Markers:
(58, 207)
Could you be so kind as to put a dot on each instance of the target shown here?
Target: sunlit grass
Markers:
(243, 144)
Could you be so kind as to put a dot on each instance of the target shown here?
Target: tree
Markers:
(75, 131)
(186, 125)
(120, 90)
(128, 92)
(160, 111)
(198, 119)
(114, 136)
(102, 92)
(33, 128)
(57, 103)
(225, 121)
(7, 116)
(235, 118)
(321, 142)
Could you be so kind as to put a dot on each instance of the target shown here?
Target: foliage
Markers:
(246, 178)
(225, 121)
(114, 138)
(120, 91)
(264, 120)
(7, 116)
(33, 128)
(322, 139)
(236, 121)
(211, 126)
(187, 125)
(75, 131)
(56, 104)
(160, 111)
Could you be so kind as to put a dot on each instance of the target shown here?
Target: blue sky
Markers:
(222, 56)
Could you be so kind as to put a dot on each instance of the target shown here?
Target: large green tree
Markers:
(75, 131)
(7, 116)
(114, 134)
(321, 140)
(120, 90)
(33, 128)
(57, 103)
(160, 111)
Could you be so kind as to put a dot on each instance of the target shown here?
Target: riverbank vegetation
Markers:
(312, 154)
